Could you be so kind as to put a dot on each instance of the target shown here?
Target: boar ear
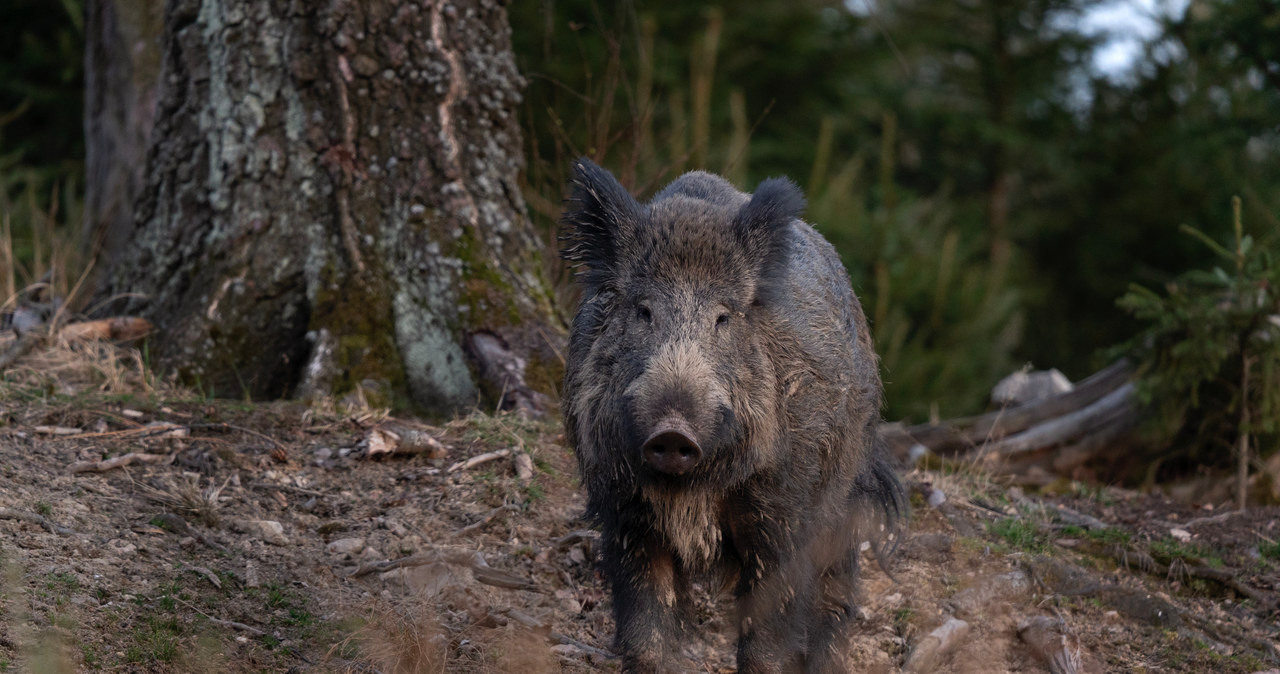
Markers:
(763, 226)
(599, 218)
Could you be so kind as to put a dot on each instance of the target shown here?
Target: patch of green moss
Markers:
(359, 317)
(490, 300)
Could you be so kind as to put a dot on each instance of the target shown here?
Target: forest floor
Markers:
(248, 537)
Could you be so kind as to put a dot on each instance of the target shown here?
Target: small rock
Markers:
(1181, 534)
(251, 577)
(270, 531)
(121, 547)
(524, 465)
(345, 546)
(1025, 387)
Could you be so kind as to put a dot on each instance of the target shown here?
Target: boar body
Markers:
(722, 397)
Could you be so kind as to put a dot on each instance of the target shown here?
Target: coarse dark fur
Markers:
(728, 312)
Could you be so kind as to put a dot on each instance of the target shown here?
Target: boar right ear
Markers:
(763, 225)
(600, 216)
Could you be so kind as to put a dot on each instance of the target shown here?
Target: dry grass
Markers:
(402, 640)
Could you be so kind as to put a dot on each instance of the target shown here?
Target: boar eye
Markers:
(644, 314)
(722, 319)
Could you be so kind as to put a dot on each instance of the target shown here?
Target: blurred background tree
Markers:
(991, 190)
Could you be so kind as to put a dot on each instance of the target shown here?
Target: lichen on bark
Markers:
(331, 198)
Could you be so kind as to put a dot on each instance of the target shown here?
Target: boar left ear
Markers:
(600, 217)
(763, 226)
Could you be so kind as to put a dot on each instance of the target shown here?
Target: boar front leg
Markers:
(829, 636)
(651, 603)
(775, 598)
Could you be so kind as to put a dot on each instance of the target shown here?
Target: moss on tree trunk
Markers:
(331, 197)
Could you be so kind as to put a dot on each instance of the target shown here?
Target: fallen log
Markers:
(1053, 436)
(959, 436)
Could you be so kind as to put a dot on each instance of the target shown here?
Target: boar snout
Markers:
(671, 447)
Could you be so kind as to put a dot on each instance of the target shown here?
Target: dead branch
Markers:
(287, 487)
(480, 459)
(178, 525)
(963, 434)
(1069, 426)
(1228, 578)
(471, 559)
(240, 429)
(226, 623)
(484, 520)
(56, 430)
(535, 624)
(12, 514)
(208, 575)
(118, 462)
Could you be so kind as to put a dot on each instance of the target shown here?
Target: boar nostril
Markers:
(671, 448)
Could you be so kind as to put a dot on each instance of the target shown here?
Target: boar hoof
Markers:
(671, 448)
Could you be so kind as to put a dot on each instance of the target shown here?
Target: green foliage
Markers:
(1019, 533)
(695, 88)
(1269, 550)
(1209, 356)
(945, 322)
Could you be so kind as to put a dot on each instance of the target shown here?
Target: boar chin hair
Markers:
(599, 220)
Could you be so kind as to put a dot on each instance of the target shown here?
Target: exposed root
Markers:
(12, 514)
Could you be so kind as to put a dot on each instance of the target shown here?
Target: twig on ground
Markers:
(12, 514)
(484, 520)
(241, 429)
(1226, 577)
(577, 536)
(287, 487)
(56, 430)
(479, 459)
(209, 576)
(118, 462)
(226, 623)
(533, 623)
(180, 526)
(471, 559)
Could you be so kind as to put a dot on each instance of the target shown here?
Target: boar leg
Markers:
(651, 604)
(775, 601)
(829, 634)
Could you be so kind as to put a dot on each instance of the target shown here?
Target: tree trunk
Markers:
(330, 199)
(121, 73)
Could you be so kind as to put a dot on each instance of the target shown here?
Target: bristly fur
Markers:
(728, 314)
(763, 224)
(600, 214)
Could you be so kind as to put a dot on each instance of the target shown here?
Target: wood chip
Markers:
(394, 437)
(929, 654)
(480, 459)
(118, 329)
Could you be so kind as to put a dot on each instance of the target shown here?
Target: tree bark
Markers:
(330, 198)
(121, 72)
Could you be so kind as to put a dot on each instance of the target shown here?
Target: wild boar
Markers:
(722, 396)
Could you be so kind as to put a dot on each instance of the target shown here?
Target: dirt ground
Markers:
(264, 537)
